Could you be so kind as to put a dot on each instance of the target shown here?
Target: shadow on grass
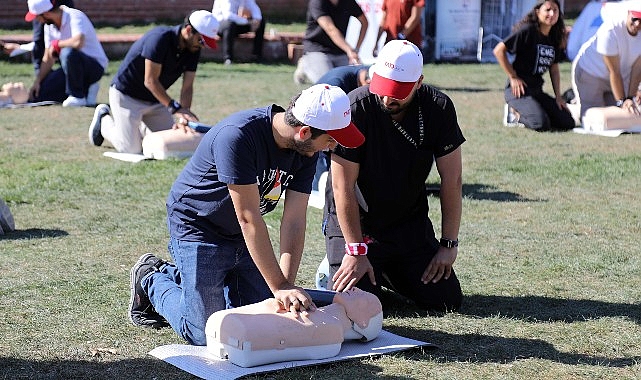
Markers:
(12, 368)
(478, 348)
(536, 308)
(490, 193)
(497, 349)
(33, 233)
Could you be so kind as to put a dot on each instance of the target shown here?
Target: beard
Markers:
(304, 148)
(391, 111)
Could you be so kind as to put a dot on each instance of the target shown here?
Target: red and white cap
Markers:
(398, 66)
(206, 24)
(635, 8)
(327, 108)
(36, 8)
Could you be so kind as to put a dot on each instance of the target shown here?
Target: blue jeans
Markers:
(80, 70)
(203, 279)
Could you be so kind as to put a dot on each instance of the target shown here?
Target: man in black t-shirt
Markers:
(324, 42)
(377, 228)
(138, 100)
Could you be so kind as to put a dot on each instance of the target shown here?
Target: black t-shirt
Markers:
(393, 172)
(535, 53)
(316, 40)
(159, 45)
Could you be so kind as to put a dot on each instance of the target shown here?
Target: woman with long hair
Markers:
(538, 45)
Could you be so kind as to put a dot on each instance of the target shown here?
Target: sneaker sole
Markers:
(96, 116)
(132, 285)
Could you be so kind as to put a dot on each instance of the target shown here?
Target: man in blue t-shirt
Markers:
(220, 244)
(138, 100)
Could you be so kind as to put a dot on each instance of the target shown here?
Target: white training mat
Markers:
(29, 105)
(199, 362)
(607, 132)
(127, 157)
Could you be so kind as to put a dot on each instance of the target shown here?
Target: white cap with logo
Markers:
(327, 108)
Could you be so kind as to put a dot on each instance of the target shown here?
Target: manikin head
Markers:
(365, 311)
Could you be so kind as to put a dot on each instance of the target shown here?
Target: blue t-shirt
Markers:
(159, 45)
(345, 77)
(238, 150)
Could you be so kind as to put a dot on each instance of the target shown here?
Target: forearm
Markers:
(413, 21)
(451, 208)
(75, 42)
(363, 31)
(45, 66)
(616, 83)
(555, 78)
(158, 91)
(186, 96)
(259, 245)
(292, 233)
(348, 213)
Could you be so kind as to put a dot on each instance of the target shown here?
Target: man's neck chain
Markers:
(421, 130)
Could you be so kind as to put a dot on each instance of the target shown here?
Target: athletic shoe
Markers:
(72, 101)
(95, 134)
(141, 311)
(299, 75)
(92, 93)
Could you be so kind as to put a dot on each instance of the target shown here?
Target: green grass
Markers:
(549, 256)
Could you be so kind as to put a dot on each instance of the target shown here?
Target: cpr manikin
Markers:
(13, 93)
(264, 332)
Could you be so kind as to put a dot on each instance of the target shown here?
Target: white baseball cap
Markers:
(206, 24)
(398, 66)
(36, 8)
(327, 108)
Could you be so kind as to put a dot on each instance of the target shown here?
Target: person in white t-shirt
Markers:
(607, 69)
(70, 38)
(238, 17)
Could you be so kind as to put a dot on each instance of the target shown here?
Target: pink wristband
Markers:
(55, 44)
(356, 249)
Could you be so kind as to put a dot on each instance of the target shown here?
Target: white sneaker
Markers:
(92, 93)
(72, 101)
(95, 134)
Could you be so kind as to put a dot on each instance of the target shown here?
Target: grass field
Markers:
(549, 259)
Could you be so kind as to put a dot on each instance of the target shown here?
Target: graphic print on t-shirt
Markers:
(271, 188)
(544, 59)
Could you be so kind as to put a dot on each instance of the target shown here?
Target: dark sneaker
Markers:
(141, 311)
(95, 135)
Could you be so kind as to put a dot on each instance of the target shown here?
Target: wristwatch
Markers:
(173, 106)
(447, 243)
(620, 102)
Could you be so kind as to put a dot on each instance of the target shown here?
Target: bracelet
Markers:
(356, 249)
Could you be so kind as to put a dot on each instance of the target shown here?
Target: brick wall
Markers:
(119, 12)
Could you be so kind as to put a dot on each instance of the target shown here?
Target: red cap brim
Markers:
(349, 137)
(636, 14)
(210, 42)
(389, 87)
(29, 17)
